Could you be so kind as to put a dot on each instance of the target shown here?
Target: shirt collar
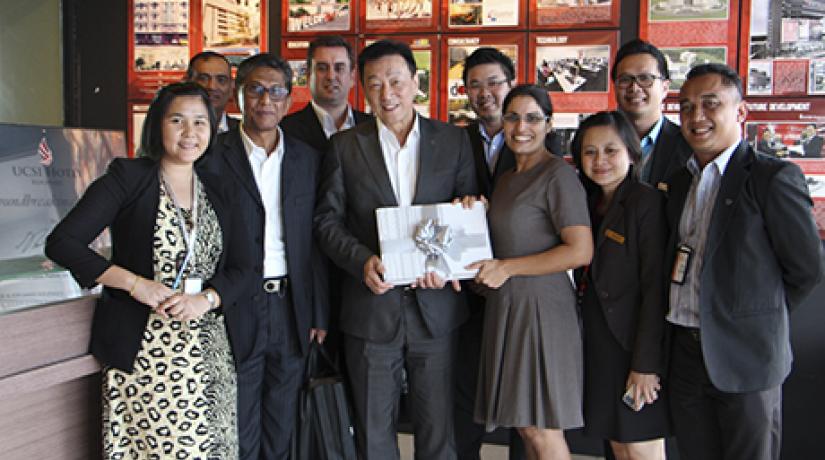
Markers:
(328, 123)
(387, 136)
(223, 125)
(252, 148)
(721, 161)
(483, 131)
(653, 134)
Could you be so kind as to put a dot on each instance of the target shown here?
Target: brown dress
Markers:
(531, 358)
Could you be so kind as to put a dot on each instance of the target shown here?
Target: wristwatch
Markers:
(211, 298)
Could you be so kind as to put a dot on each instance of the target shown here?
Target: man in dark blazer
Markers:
(400, 158)
(331, 66)
(277, 177)
(811, 142)
(213, 72)
(744, 251)
(642, 80)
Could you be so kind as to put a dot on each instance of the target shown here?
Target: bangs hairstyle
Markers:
(383, 48)
(619, 122)
(151, 138)
(538, 94)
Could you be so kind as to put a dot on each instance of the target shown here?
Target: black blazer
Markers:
(762, 259)
(304, 125)
(670, 153)
(627, 274)
(355, 183)
(307, 272)
(232, 123)
(126, 200)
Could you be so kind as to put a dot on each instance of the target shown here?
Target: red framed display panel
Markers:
(566, 14)
(454, 106)
(294, 50)
(574, 67)
(426, 53)
(310, 18)
(234, 30)
(158, 48)
(690, 35)
(483, 16)
(387, 16)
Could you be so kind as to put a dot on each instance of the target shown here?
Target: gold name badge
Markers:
(614, 236)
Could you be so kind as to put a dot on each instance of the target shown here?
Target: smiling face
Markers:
(262, 113)
(525, 126)
(639, 103)
(214, 76)
(331, 76)
(486, 86)
(711, 115)
(604, 157)
(391, 90)
(185, 130)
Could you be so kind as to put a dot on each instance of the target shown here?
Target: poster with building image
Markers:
(566, 14)
(489, 14)
(161, 35)
(232, 27)
(313, 16)
(681, 60)
(687, 10)
(380, 16)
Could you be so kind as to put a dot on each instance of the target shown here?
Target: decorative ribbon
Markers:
(434, 241)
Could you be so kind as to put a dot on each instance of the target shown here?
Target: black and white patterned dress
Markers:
(180, 400)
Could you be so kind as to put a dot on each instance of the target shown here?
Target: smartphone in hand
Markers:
(630, 401)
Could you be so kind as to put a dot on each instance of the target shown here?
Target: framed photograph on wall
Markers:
(573, 14)
(313, 17)
(483, 15)
(392, 16)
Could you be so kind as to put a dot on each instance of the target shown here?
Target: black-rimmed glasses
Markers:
(256, 91)
(644, 80)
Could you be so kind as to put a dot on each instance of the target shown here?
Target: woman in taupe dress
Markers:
(530, 375)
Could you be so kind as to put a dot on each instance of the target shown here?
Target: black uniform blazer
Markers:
(305, 126)
(126, 200)
(762, 258)
(627, 272)
(307, 267)
(670, 153)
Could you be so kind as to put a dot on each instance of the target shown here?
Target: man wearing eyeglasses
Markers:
(213, 72)
(642, 80)
(276, 178)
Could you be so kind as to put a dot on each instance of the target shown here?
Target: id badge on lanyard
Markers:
(191, 285)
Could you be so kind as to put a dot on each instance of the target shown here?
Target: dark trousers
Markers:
(710, 424)
(468, 434)
(375, 375)
(269, 385)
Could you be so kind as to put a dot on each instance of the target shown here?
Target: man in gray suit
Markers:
(398, 159)
(744, 252)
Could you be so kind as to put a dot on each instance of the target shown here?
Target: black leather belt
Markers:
(275, 285)
(693, 332)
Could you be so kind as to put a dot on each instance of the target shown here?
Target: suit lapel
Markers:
(615, 213)
(370, 148)
(678, 188)
(733, 180)
(289, 169)
(427, 155)
(663, 152)
(234, 153)
(482, 171)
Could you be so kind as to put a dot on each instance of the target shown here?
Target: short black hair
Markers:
(204, 55)
(151, 138)
(263, 60)
(638, 46)
(487, 55)
(627, 133)
(383, 48)
(537, 93)
(729, 76)
(330, 41)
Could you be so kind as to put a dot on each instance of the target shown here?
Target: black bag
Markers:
(324, 428)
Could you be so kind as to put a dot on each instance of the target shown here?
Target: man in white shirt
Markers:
(276, 177)
(213, 72)
(398, 159)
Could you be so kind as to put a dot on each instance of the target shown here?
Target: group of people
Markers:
(233, 254)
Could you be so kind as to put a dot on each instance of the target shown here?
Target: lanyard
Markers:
(188, 238)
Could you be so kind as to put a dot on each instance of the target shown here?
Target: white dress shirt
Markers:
(401, 161)
(267, 172)
(328, 123)
(492, 146)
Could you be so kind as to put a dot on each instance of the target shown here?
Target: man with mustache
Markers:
(213, 72)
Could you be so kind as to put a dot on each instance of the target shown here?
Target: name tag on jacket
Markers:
(614, 236)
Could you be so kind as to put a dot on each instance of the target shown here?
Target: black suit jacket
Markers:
(813, 148)
(627, 273)
(355, 183)
(305, 126)
(232, 123)
(126, 200)
(762, 259)
(670, 153)
(307, 269)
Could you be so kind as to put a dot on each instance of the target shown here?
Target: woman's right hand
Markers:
(150, 292)
(492, 273)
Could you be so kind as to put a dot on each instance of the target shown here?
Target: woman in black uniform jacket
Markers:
(621, 292)
(179, 256)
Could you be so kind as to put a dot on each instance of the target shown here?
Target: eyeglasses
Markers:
(529, 118)
(256, 91)
(476, 85)
(644, 80)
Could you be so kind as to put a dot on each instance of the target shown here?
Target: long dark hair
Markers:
(619, 122)
(151, 138)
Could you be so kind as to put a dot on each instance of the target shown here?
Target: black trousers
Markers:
(375, 373)
(714, 425)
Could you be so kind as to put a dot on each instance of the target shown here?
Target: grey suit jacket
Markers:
(761, 260)
(354, 184)
(670, 153)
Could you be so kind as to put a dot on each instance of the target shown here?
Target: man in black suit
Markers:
(398, 159)
(213, 72)
(331, 66)
(811, 142)
(278, 177)
(642, 80)
(744, 251)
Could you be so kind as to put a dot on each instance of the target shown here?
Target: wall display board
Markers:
(425, 51)
(231, 28)
(478, 15)
(691, 32)
(386, 16)
(570, 14)
(455, 108)
(574, 67)
(295, 52)
(311, 17)
(785, 54)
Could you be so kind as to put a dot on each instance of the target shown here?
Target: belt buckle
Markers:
(275, 286)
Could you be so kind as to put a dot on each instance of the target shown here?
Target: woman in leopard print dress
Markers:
(178, 259)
